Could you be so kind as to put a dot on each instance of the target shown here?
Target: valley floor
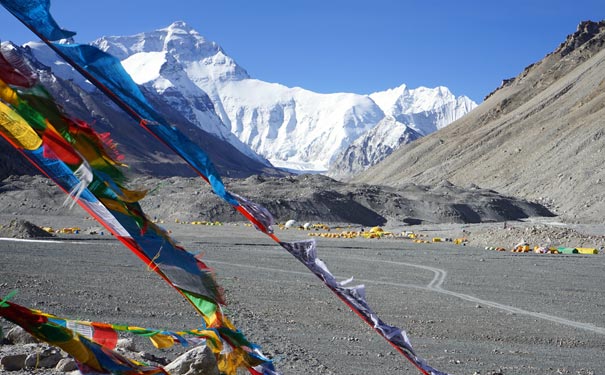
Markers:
(467, 310)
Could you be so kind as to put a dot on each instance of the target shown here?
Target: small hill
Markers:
(23, 229)
(540, 136)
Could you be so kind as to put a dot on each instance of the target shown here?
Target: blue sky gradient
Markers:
(349, 45)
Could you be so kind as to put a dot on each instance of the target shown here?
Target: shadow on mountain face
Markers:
(327, 206)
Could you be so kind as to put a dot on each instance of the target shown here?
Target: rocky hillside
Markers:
(319, 198)
(540, 136)
(313, 198)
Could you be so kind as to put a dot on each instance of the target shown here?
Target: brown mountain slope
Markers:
(541, 136)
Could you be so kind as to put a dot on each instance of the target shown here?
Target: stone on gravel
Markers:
(3, 339)
(45, 358)
(126, 344)
(150, 357)
(66, 364)
(198, 360)
(18, 335)
(14, 362)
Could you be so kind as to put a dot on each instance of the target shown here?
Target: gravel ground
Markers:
(466, 310)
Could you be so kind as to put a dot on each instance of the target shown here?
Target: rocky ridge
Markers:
(536, 234)
(304, 198)
(20, 228)
(322, 199)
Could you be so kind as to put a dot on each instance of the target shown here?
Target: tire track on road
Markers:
(439, 278)
(435, 285)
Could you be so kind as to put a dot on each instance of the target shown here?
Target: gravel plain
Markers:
(466, 310)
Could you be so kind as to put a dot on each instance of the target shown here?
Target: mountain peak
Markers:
(180, 25)
(181, 29)
(588, 32)
(199, 56)
(584, 43)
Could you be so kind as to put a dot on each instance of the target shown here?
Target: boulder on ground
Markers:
(13, 362)
(66, 365)
(199, 360)
(126, 344)
(44, 358)
(18, 335)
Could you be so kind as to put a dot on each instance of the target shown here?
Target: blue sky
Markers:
(349, 45)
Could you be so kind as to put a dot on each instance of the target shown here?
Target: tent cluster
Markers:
(199, 222)
(375, 232)
(378, 233)
(74, 230)
(86, 166)
(525, 248)
(65, 230)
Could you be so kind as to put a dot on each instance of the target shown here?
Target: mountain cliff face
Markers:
(371, 148)
(293, 128)
(540, 136)
(296, 128)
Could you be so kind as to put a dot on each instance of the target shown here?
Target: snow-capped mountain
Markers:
(293, 128)
(296, 128)
(409, 115)
(423, 109)
(372, 147)
(161, 73)
(144, 153)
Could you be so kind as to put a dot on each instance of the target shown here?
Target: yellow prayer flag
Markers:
(161, 341)
(16, 129)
